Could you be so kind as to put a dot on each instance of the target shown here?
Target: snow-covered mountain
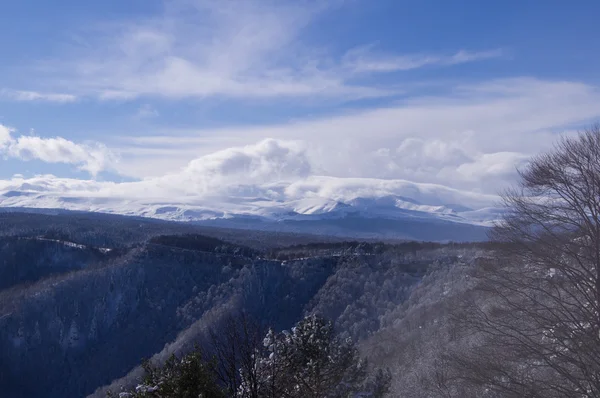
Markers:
(316, 204)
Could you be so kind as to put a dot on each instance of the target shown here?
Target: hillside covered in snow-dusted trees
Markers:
(106, 292)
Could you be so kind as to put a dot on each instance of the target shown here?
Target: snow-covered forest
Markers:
(86, 297)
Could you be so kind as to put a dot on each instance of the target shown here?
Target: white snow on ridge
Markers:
(312, 197)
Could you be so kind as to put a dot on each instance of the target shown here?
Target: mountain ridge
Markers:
(361, 208)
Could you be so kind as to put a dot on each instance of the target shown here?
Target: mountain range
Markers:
(359, 208)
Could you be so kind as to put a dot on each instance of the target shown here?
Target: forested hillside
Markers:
(83, 302)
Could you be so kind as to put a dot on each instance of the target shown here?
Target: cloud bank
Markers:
(270, 178)
(473, 137)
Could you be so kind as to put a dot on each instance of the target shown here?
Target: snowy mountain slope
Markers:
(328, 205)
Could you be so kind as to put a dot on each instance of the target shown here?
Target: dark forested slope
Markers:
(84, 299)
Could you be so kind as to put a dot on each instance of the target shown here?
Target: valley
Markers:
(81, 303)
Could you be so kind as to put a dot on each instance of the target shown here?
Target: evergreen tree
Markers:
(189, 377)
(311, 361)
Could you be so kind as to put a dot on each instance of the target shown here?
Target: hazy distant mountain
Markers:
(366, 208)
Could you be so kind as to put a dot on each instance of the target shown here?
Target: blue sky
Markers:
(452, 93)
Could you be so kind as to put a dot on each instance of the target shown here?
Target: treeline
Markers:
(353, 248)
(118, 231)
(203, 243)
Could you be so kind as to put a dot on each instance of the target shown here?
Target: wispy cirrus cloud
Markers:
(24, 95)
(241, 49)
(365, 60)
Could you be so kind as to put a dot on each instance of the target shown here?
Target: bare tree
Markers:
(536, 312)
(237, 347)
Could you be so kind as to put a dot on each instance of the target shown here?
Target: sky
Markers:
(209, 94)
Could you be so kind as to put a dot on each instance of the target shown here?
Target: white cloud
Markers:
(267, 160)
(307, 195)
(93, 157)
(5, 136)
(346, 189)
(468, 56)
(20, 95)
(271, 178)
(470, 138)
(270, 170)
(239, 49)
(414, 153)
(499, 165)
(264, 162)
(363, 60)
(200, 49)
